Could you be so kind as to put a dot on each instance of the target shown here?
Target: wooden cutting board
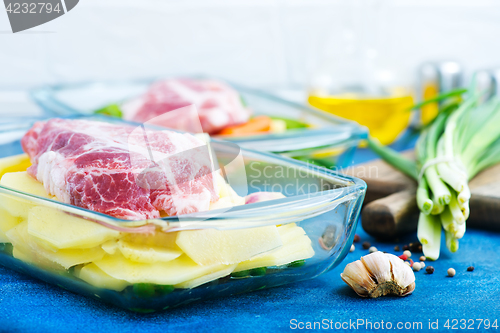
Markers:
(390, 207)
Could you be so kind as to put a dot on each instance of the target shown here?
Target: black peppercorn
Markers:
(366, 245)
(416, 247)
(429, 269)
(470, 269)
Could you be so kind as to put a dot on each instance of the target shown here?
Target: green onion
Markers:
(424, 203)
(462, 141)
(451, 242)
(437, 207)
(398, 161)
(440, 97)
(429, 234)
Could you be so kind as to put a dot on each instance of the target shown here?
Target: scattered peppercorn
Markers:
(372, 249)
(422, 258)
(405, 247)
(422, 264)
(366, 245)
(352, 248)
(429, 269)
(416, 247)
(356, 238)
(407, 253)
(470, 269)
(451, 272)
(416, 267)
(396, 248)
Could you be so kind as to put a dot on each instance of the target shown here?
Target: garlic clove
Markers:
(409, 289)
(378, 266)
(358, 278)
(379, 274)
(402, 274)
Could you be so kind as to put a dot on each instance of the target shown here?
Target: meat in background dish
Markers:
(217, 105)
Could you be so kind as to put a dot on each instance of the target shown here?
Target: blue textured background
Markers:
(27, 304)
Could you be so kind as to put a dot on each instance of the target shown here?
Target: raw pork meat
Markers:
(109, 169)
(218, 105)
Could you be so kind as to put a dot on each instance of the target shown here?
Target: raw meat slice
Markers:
(218, 105)
(120, 170)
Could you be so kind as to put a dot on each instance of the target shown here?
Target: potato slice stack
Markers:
(109, 259)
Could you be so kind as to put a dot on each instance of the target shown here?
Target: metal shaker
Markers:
(487, 81)
(436, 77)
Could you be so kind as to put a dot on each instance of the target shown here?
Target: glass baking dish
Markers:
(70, 246)
(330, 142)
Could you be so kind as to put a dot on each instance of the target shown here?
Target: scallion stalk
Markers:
(424, 202)
(451, 241)
(429, 234)
(462, 141)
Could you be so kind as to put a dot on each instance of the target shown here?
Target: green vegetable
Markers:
(112, 110)
(297, 263)
(164, 289)
(424, 202)
(440, 97)
(144, 290)
(260, 271)
(292, 123)
(240, 274)
(397, 160)
(252, 272)
(429, 234)
(463, 140)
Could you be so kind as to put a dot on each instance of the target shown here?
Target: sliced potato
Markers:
(206, 278)
(20, 181)
(63, 231)
(158, 239)
(16, 253)
(7, 222)
(14, 163)
(164, 273)
(72, 257)
(296, 246)
(95, 276)
(210, 246)
(18, 238)
(147, 253)
(28, 245)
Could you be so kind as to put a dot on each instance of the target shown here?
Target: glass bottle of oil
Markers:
(359, 83)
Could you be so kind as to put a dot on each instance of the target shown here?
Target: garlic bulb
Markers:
(379, 274)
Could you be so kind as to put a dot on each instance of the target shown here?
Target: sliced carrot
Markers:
(255, 125)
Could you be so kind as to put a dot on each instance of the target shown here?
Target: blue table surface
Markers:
(27, 304)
